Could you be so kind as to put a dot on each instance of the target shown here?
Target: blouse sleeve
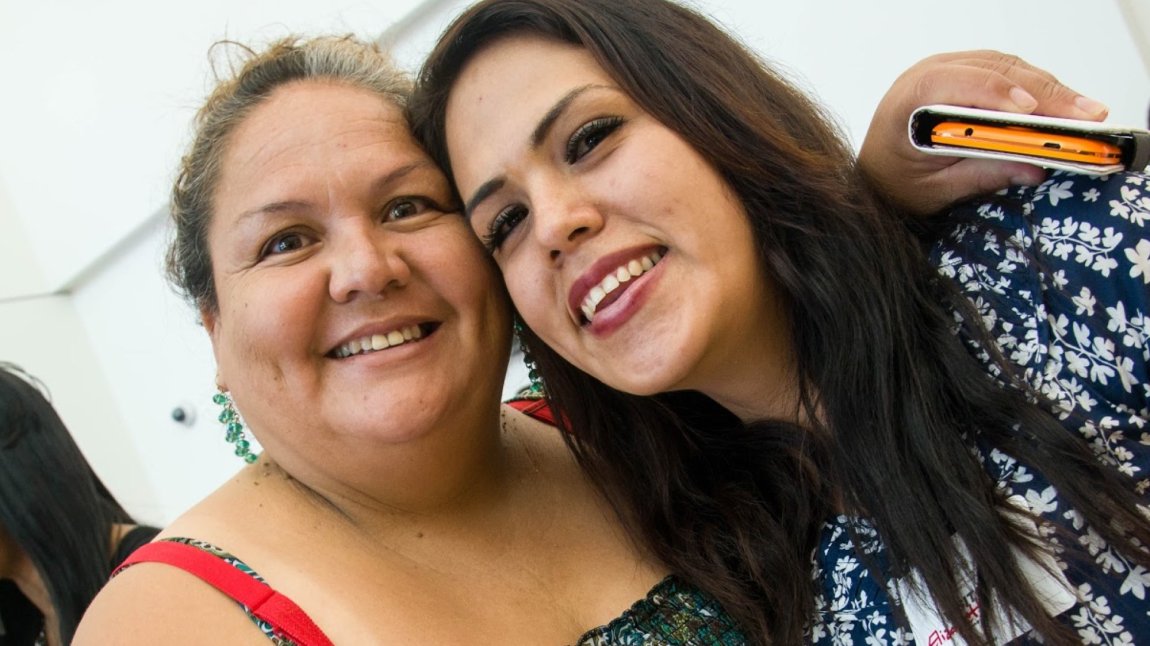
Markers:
(1061, 276)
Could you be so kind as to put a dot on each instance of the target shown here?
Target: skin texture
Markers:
(605, 185)
(394, 490)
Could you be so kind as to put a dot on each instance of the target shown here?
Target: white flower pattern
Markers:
(1065, 297)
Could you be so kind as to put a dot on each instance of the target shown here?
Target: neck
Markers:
(758, 381)
(750, 368)
(459, 467)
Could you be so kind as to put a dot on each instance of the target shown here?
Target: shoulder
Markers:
(153, 603)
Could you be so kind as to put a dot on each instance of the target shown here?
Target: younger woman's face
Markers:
(622, 247)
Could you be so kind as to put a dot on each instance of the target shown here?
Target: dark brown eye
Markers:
(590, 135)
(406, 207)
(283, 243)
(502, 225)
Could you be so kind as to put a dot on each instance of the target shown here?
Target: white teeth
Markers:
(376, 342)
(612, 281)
(610, 284)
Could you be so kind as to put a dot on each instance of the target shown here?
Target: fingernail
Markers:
(1022, 99)
(1090, 106)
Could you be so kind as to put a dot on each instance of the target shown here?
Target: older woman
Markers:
(360, 329)
(760, 364)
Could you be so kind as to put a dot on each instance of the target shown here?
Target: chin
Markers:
(643, 384)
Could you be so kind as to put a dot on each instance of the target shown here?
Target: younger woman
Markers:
(679, 227)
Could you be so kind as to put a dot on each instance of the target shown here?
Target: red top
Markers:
(536, 408)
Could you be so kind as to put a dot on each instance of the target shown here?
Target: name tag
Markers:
(928, 625)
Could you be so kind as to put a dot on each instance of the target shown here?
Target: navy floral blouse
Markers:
(1067, 297)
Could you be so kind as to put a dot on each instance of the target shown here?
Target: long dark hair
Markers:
(53, 506)
(895, 398)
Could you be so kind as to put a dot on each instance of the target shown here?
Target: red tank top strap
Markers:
(535, 408)
(259, 598)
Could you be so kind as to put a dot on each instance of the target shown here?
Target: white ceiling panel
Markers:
(98, 99)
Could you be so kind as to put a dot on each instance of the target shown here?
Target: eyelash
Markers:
(601, 127)
(502, 225)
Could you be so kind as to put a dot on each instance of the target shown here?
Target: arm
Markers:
(924, 184)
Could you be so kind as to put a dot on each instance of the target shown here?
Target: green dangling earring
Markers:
(536, 389)
(230, 418)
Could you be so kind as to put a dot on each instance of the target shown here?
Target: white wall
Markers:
(86, 158)
(47, 337)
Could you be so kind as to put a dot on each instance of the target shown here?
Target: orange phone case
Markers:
(1017, 139)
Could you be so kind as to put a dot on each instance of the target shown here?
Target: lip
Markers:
(597, 272)
(427, 326)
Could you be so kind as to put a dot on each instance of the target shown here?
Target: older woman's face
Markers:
(354, 302)
(620, 245)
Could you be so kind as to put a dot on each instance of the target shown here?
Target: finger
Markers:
(970, 178)
(993, 80)
(1053, 97)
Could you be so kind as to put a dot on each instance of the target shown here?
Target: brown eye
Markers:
(502, 225)
(406, 207)
(283, 243)
(590, 135)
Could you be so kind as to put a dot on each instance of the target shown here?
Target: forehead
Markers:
(312, 124)
(522, 68)
(509, 85)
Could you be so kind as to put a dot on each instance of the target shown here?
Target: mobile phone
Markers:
(1025, 141)
(1070, 145)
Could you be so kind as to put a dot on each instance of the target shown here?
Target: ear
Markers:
(211, 322)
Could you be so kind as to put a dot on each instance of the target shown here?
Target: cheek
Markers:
(264, 322)
(543, 311)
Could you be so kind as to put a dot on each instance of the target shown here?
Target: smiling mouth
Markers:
(377, 342)
(613, 284)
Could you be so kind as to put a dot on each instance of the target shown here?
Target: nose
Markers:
(563, 218)
(366, 262)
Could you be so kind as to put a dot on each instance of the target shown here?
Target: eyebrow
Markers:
(556, 111)
(537, 136)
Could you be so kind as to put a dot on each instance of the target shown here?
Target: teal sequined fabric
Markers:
(674, 613)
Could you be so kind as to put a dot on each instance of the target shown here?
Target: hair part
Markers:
(896, 395)
(53, 505)
(337, 59)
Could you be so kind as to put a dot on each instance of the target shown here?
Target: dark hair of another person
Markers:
(53, 505)
(895, 397)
